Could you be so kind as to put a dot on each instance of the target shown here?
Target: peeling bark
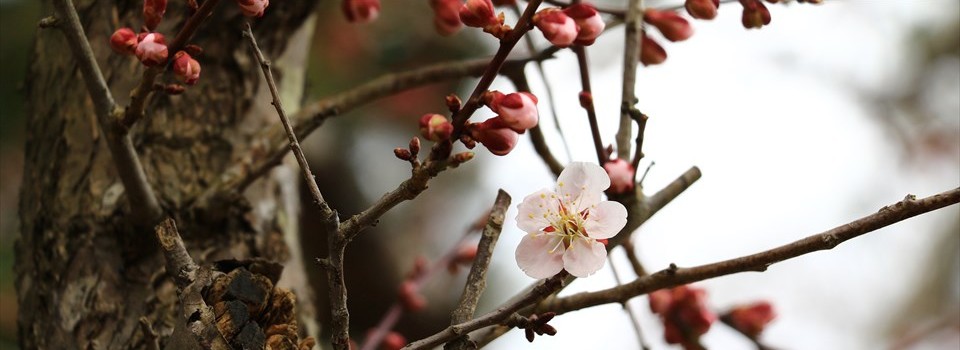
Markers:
(79, 282)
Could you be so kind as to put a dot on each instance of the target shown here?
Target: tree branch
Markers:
(477, 279)
(631, 55)
(586, 101)
(138, 101)
(143, 203)
(759, 262)
(519, 79)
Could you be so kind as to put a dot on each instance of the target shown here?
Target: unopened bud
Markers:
(152, 50)
(557, 27)
(463, 157)
(361, 11)
(702, 9)
(124, 41)
(410, 298)
(174, 89)
(414, 146)
(468, 142)
(153, 11)
(435, 127)
(253, 8)
(393, 341)
(586, 99)
(402, 153)
(446, 16)
(454, 103)
(669, 23)
(186, 68)
(755, 14)
(651, 53)
(193, 50)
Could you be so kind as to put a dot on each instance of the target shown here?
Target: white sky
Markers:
(786, 151)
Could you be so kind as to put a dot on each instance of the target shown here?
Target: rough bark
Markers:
(80, 281)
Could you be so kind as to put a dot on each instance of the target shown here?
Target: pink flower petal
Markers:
(582, 183)
(535, 258)
(584, 257)
(534, 212)
(606, 220)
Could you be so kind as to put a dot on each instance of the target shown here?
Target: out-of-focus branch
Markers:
(143, 202)
(631, 253)
(634, 320)
(135, 110)
(477, 279)
(759, 262)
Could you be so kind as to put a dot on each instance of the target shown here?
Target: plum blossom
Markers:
(588, 20)
(186, 68)
(564, 226)
(152, 50)
(557, 27)
(518, 109)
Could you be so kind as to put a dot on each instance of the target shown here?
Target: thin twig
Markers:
(634, 320)
(631, 253)
(524, 24)
(759, 262)
(138, 101)
(587, 103)
(631, 55)
(143, 202)
(336, 243)
(477, 279)
(294, 144)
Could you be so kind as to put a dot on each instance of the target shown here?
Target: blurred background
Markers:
(824, 116)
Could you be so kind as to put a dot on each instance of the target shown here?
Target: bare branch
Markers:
(477, 279)
(673, 276)
(631, 55)
(144, 204)
(519, 79)
(586, 101)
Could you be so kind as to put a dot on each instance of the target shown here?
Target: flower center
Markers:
(568, 224)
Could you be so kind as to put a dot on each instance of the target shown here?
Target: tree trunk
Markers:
(80, 281)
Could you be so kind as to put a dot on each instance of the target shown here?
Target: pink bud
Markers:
(153, 11)
(621, 175)
(124, 41)
(702, 9)
(152, 50)
(186, 68)
(651, 53)
(684, 313)
(414, 146)
(253, 8)
(518, 110)
(669, 23)
(446, 16)
(556, 26)
(393, 341)
(755, 14)
(751, 319)
(410, 297)
(588, 20)
(496, 135)
(435, 127)
(479, 14)
(361, 11)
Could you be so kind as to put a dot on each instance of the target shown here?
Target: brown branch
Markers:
(534, 294)
(524, 24)
(759, 262)
(587, 103)
(477, 279)
(330, 221)
(631, 55)
(138, 100)
(191, 280)
(631, 252)
(143, 202)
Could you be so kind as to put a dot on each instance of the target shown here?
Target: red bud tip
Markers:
(411, 299)
(402, 153)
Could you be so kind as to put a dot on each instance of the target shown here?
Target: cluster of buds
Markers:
(151, 50)
(516, 113)
(750, 319)
(361, 11)
(537, 325)
(671, 25)
(684, 314)
(621, 175)
(578, 24)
